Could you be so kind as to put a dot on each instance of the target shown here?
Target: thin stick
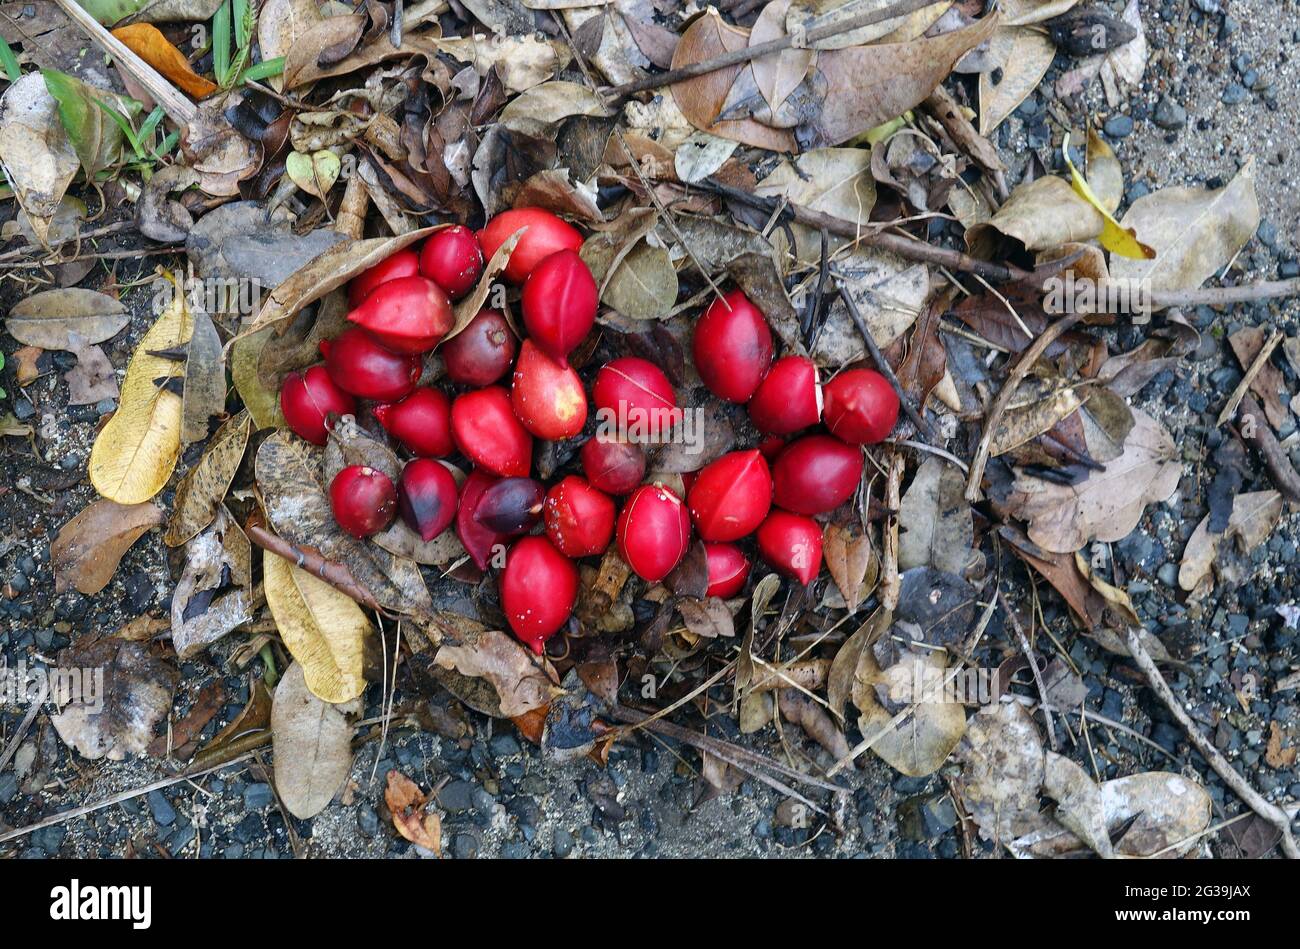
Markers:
(1217, 296)
(1243, 387)
(1260, 437)
(1028, 650)
(25, 724)
(335, 574)
(1253, 799)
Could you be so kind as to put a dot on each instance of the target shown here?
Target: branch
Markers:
(335, 574)
(1262, 439)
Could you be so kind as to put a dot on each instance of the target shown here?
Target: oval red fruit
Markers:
(547, 397)
(481, 353)
(479, 541)
(421, 422)
(359, 365)
(788, 398)
(792, 544)
(427, 497)
(486, 431)
(732, 347)
(579, 519)
(613, 466)
(728, 569)
(452, 259)
(860, 406)
(731, 496)
(511, 506)
(406, 314)
(635, 398)
(816, 474)
(545, 235)
(538, 589)
(363, 500)
(559, 304)
(653, 532)
(308, 399)
(404, 263)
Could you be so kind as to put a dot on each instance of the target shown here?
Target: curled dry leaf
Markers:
(1254, 516)
(1039, 215)
(47, 319)
(312, 743)
(800, 710)
(214, 593)
(148, 42)
(201, 491)
(1079, 806)
(38, 157)
(520, 683)
(411, 812)
(86, 553)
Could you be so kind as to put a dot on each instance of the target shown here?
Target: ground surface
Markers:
(503, 800)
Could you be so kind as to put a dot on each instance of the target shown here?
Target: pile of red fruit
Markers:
(402, 309)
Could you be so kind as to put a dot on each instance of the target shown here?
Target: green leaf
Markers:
(98, 143)
(9, 61)
(265, 69)
(221, 44)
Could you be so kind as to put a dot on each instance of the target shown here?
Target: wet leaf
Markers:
(86, 552)
(312, 742)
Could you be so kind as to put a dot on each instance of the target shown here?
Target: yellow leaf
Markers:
(136, 451)
(324, 629)
(1114, 238)
(148, 42)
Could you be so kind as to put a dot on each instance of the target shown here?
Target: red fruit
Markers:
(308, 399)
(486, 431)
(479, 541)
(452, 259)
(421, 422)
(406, 314)
(511, 506)
(547, 396)
(788, 398)
(861, 406)
(579, 519)
(728, 569)
(480, 353)
(538, 589)
(816, 474)
(363, 500)
(613, 466)
(731, 496)
(634, 395)
(559, 304)
(404, 263)
(546, 234)
(771, 447)
(654, 531)
(733, 347)
(358, 364)
(792, 544)
(426, 497)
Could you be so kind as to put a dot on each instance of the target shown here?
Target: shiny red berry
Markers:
(511, 506)
(816, 474)
(613, 466)
(363, 500)
(421, 422)
(359, 365)
(860, 406)
(635, 395)
(545, 235)
(485, 429)
(538, 587)
(547, 397)
(452, 259)
(732, 347)
(579, 519)
(427, 497)
(792, 544)
(728, 570)
(406, 314)
(404, 263)
(308, 399)
(788, 399)
(559, 304)
(653, 532)
(479, 541)
(482, 352)
(731, 496)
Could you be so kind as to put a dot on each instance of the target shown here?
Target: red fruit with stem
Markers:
(545, 235)
(559, 304)
(404, 263)
(421, 422)
(635, 395)
(479, 541)
(481, 353)
(728, 569)
(816, 474)
(579, 519)
(613, 466)
(452, 259)
(860, 406)
(792, 544)
(547, 397)
(406, 314)
(511, 506)
(731, 496)
(363, 500)
(538, 589)
(653, 532)
(308, 399)
(485, 429)
(732, 347)
(427, 497)
(359, 365)
(788, 398)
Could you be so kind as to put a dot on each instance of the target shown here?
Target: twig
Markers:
(104, 231)
(736, 56)
(1216, 296)
(1243, 387)
(335, 574)
(17, 737)
(891, 581)
(1028, 650)
(1253, 799)
(1260, 437)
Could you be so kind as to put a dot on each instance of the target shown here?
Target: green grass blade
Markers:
(265, 69)
(221, 43)
(9, 61)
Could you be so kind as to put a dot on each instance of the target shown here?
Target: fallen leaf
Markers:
(1022, 56)
(93, 378)
(1118, 240)
(1275, 755)
(1039, 215)
(148, 42)
(86, 552)
(1254, 516)
(1002, 770)
(38, 158)
(213, 595)
(936, 520)
(929, 731)
(312, 743)
(314, 173)
(412, 817)
(47, 319)
(201, 491)
(500, 659)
